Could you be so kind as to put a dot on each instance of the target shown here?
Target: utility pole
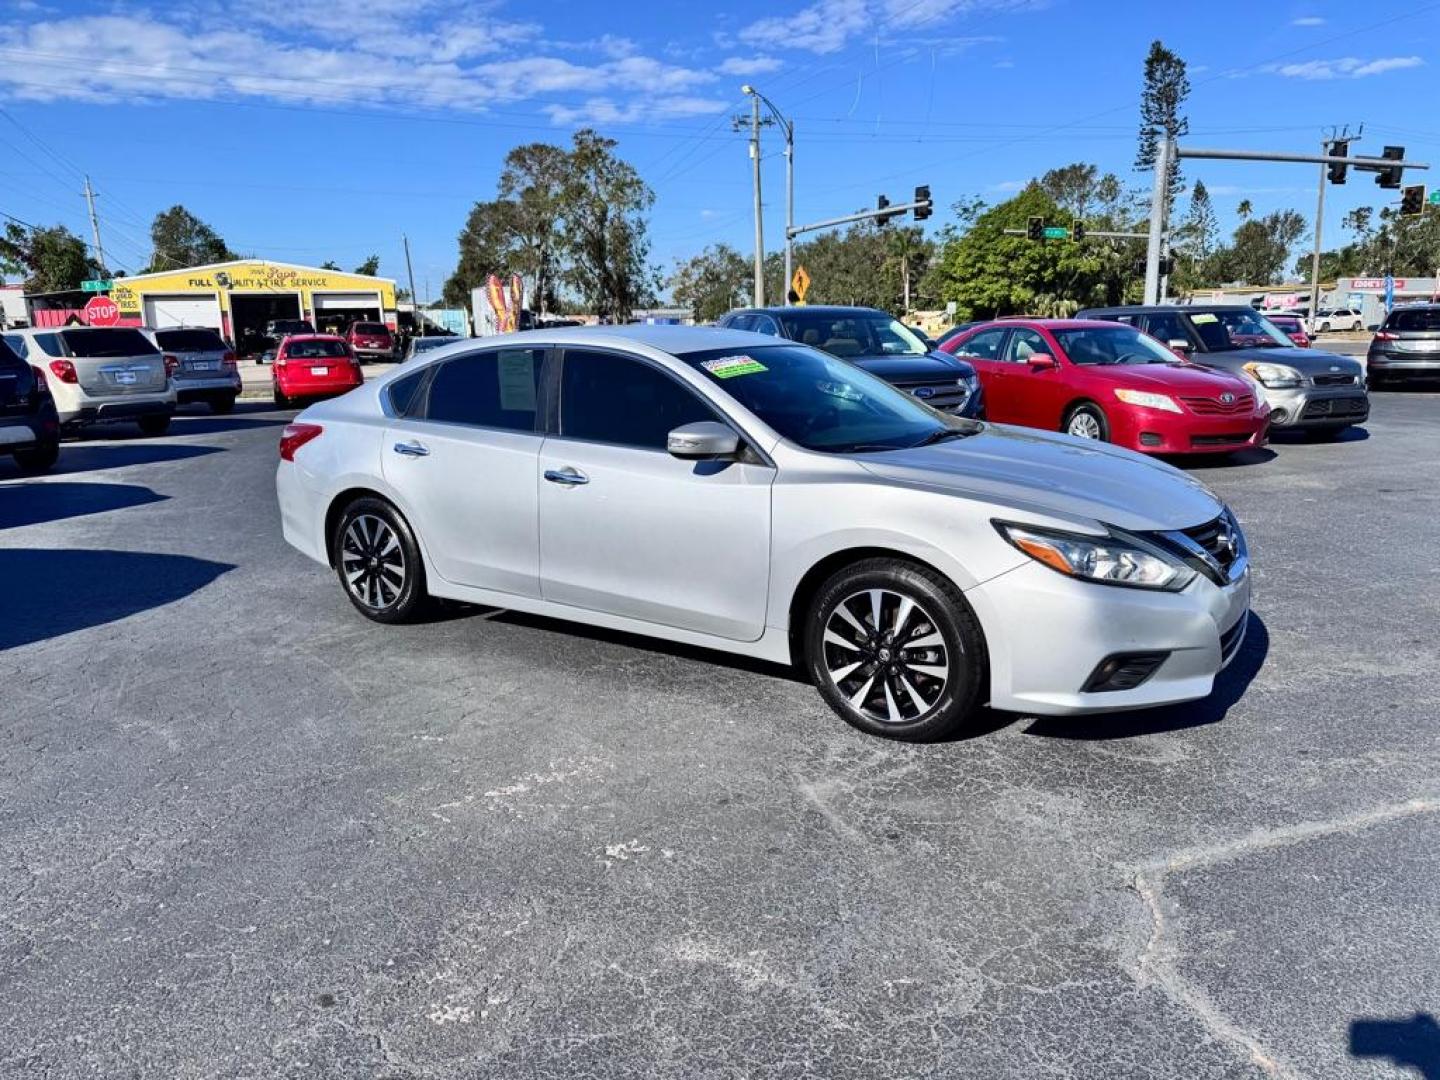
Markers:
(410, 273)
(789, 206)
(759, 220)
(89, 194)
(788, 127)
(1159, 197)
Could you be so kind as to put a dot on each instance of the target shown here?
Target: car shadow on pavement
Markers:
(53, 592)
(1230, 687)
(1412, 1043)
(210, 424)
(34, 503)
(90, 457)
(1258, 456)
(1354, 433)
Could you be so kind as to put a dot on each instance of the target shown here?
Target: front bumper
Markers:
(1316, 406)
(371, 352)
(1047, 634)
(1152, 431)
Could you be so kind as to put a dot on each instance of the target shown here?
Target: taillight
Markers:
(295, 436)
(172, 364)
(229, 361)
(64, 371)
(1386, 335)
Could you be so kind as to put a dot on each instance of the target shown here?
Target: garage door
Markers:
(346, 301)
(188, 310)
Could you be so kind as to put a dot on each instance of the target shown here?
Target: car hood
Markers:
(1305, 361)
(930, 366)
(1177, 378)
(1044, 473)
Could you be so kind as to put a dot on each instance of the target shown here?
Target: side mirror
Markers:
(1042, 361)
(1179, 343)
(703, 441)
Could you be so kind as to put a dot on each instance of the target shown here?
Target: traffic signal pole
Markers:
(1154, 242)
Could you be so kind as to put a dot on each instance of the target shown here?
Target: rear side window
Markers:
(104, 341)
(1414, 320)
(190, 340)
(1167, 327)
(402, 391)
(615, 399)
(497, 389)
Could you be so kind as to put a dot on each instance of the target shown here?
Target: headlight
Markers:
(969, 382)
(1275, 376)
(1110, 560)
(1163, 402)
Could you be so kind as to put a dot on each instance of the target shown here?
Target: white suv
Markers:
(100, 373)
(1336, 319)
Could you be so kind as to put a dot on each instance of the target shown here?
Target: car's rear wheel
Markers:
(1086, 421)
(38, 459)
(281, 401)
(154, 425)
(378, 562)
(894, 648)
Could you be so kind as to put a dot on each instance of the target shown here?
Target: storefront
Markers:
(239, 298)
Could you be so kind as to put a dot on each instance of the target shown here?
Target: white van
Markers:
(98, 374)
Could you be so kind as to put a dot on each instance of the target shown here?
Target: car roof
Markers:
(1048, 324)
(823, 309)
(666, 337)
(1152, 309)
(313, 337)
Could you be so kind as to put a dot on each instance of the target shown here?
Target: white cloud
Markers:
(827, 26)
(1308, 20)
(1009, 185)
(1346, 67)
(603, 110)
(754, 65)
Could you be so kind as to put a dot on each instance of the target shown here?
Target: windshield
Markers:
(822, 403)
(1248, 329)
(120, 341)
(315, 350)
(852, 333)
(1113, 345)
(1414, 320)
(190, 340)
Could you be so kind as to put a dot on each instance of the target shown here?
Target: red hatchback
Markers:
(312, 366)
(371, 341)
(1104, 380)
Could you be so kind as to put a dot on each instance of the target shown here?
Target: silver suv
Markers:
(100, 373)
(201, 364)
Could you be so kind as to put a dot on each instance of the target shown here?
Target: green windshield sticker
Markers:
(727, 367)
(1203, 317)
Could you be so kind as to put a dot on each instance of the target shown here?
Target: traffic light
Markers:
(1077, 231)
(880, 204)
(1035, 229)
(1390, 177)
(922, 196)
(1167, 266)
(1412, 201)
(1338, 148)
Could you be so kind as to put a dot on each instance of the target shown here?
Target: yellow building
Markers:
(238, 298)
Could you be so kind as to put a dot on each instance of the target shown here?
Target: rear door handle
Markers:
(411, 449)
(567, 476)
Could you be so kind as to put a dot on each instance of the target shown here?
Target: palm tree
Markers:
(1244, 209)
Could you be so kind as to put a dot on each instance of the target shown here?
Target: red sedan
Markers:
(1104, 380)
(312, 366)
(1292, 326)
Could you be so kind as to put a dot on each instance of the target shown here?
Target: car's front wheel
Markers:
(378, 562)
(1087, 422)
(894, 648)
(38, 459)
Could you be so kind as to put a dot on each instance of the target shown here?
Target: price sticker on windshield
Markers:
(1200, 318)
(727, 367)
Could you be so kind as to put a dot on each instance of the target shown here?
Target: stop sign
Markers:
(102, 311)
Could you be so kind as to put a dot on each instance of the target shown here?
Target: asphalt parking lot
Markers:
(246, 833)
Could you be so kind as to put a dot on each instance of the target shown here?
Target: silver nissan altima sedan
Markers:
(724, 489)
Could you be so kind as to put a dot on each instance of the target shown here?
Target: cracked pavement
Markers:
(246, 833)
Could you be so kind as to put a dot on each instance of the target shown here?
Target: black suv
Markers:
(1407, 346)
(29, 426)
(1307, 389)
(872, 340)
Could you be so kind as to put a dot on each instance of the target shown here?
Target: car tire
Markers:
(1087, 421)
(281, 401)
(222, 405)
(916, 693)
(390, 586)
(154, 425)
(38, 459)
(1323, 328)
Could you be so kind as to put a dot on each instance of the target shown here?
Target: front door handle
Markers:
(411, 449)
(567, 476)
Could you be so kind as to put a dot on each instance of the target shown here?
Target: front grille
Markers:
(1218, 541)
(943, 395)
(1205, 406)
(1350, 406)
(1334, 380)
(1219, 440)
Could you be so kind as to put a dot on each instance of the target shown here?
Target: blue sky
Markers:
(306, 130)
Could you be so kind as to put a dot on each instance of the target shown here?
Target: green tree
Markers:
(1198, 235)
(180, 240)
(329, 264)
(370, 267)
(1243, 210)
(1162, 100)
(486, 246)
(604, 228)
(1260, 250)
(712, 283)
(51, 258)
(534, 179)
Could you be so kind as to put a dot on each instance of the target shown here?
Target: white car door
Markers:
(627, 529)
(464, 459)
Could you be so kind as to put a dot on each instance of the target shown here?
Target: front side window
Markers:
(1168, 327)
(1223, 330)
(820, 402)
(1024, 344)
(605, 397)
(984, 345)
(496, 389)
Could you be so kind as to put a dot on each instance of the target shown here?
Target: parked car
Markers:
(370, 341)
(1291, 325)
(97, 374)
(1100, 380)
(201, 364)
(313, 366)
(871, 339)
(29, 424)
(1319, 393)
(420, 345)
(757, 496)
(1327, 319)
(1406, 347)
(955, 331)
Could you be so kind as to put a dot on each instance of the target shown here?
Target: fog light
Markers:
(1149, 438)
(1278, 417)
(1123, 671)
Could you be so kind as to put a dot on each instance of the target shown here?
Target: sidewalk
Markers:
(256, 379)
